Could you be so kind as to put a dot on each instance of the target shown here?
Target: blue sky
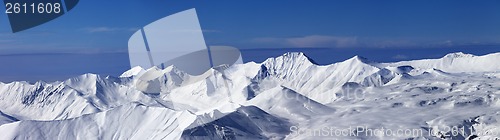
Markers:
(387, 30)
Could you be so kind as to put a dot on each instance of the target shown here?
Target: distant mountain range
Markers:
(287, 97)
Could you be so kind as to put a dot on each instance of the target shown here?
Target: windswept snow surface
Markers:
(287, 97)
(130, 121)
(456, 63)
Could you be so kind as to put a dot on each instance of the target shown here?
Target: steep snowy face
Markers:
(286, 103)
(320, 83)
(130, 121)
(74, 97)
(135, 71)
(199, 94)
(287, 66)
(388, 75)
(247, 122)
(155, 79)
(43, 101)
(456, 63)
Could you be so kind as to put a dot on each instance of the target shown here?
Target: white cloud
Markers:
(400, 57)
(268, 40)
(320, 41)
(312, 41)
(107, 29)
(446, 43)
(115, 29)
(390, 43)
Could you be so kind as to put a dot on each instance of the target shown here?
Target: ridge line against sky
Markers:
(93, 37)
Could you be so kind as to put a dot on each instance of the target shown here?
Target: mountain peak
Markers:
(294, 55)
(291, 57)
(458, 55)
(137, 70)
(359, 59)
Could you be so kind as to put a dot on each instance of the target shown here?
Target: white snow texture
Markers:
(287, 97)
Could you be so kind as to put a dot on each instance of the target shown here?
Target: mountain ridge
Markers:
(290, 87)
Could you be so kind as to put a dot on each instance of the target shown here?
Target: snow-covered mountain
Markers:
(297, 72)
(456, 63)
(287, 97)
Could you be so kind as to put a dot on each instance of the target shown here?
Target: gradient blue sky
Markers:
(387, 30)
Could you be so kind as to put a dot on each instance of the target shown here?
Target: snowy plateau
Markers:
(287, 97)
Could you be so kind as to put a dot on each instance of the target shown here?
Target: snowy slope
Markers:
(247, 122)
(456, 63)
(415, 104)
(388, 75)
(74, 97)
(320, 83)
(130, 121)
(287, 97)
(286, 103)
(135, 71)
